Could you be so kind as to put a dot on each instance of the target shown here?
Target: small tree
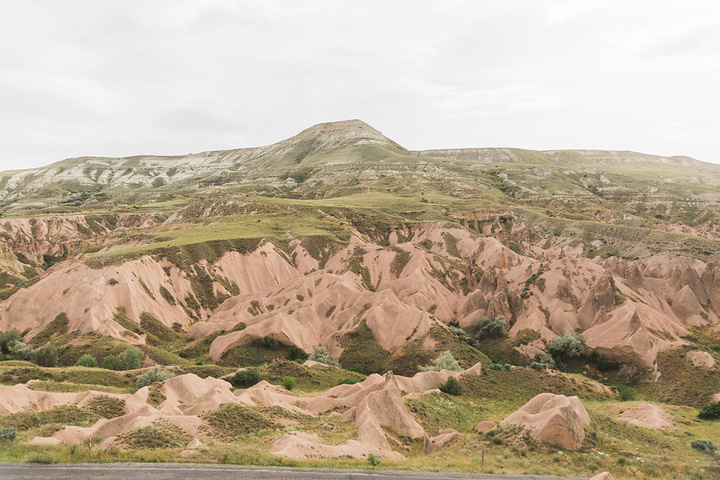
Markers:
(296, 353)
(288, 383)
(567, 346)
(46, 356)
(487, 328)
(452, 387)
(86, 360)
(543, 361)
(21, 350)
(245, 378)
(154, 375)
(711, 411)
(7, 338)
(133, 358)
(445, 361)
(112, 362)
(321, 355)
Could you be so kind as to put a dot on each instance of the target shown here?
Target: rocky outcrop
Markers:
(624, 337)
(647, 415)
(372, 405)
(435, 443)
(701, 359)
(555, 419)
(486, 426)
(599, 302)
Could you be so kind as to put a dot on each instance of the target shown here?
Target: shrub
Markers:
(445, 361)
(627, 394)
(154, 375)
(491, 328)
(132, 358)
(705, 446)
(288, 383)
(373, 460)
(452, 387)
(543, 362)
(21, 350)
(711, 411)
(461, 334)
(296, 353)
(7, 338)
(567, 346)
(269, 342)
(46, 356)
(245, 378)
(86, 360)
(499, 366)
(112, 362)
(321, 355)
(7, 434)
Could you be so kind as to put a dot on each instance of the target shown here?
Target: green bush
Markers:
(705, 446)
(487, 328)
(7, 434)
(452, 387)
(245, 378)
(132, 358)
(711, 411)
(288, 383)
(321, 355)
(296, 353)
(627, 394)
(21, 350)
(7, 338)
(543, 362)
(154, 375)
(86, 360)
(567, 346)
(445, 361)
(46, 356)
(461, 334)
(112, 362)
(373, 460)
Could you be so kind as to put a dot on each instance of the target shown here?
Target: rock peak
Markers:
(340, 134)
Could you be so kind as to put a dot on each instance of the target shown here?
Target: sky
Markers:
(119, 78)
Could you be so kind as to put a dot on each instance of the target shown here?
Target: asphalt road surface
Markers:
(217, 472)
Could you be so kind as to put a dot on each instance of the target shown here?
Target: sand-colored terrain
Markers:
(371, 406)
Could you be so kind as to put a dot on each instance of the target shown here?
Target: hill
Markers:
(339, 238)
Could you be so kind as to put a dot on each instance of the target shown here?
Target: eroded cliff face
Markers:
(417, 277)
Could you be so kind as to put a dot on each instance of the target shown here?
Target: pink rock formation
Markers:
(553, 418)
(701, 359)
(485, 426)
(435, 443)
(647, 415)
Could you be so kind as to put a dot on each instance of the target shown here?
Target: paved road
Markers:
(217, 472)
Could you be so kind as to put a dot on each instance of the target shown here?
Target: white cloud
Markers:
(80, 77)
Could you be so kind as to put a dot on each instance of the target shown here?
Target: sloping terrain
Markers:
(341, 239)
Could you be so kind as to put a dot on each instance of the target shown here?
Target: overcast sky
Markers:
(124, 77)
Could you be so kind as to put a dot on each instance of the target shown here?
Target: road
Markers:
(221, 472)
